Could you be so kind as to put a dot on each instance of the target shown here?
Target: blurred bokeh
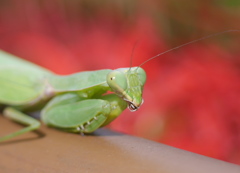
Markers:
(192, 95)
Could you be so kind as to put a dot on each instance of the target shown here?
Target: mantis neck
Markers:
(84, 82)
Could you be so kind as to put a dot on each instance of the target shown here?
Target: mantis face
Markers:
(128, 84)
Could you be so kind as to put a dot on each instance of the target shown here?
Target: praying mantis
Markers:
(73, 103)
(76, 103)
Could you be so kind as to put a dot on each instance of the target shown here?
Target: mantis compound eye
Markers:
(132, 107)
(117, 81)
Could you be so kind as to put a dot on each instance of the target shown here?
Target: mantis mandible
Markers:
(75, 103)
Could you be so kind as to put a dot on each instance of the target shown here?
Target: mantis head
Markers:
(128, 84)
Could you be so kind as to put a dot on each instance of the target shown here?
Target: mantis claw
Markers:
(80, 130)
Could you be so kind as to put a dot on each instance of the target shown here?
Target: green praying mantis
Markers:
(76, 103)
(73, 103)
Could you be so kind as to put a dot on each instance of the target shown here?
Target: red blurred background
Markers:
(192, 94)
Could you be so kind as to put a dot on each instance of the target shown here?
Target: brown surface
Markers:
(105, 152)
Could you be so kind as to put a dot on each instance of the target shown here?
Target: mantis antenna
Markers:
(203, 38)
(131, 58)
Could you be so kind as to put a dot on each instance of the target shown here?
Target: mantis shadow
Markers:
(104, 132)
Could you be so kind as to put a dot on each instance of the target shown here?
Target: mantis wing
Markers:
(21, 82)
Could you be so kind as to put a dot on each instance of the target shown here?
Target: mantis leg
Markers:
(71, 113)
(15, 115)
